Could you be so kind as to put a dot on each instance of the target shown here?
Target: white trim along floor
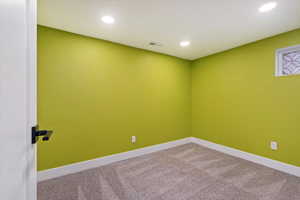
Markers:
(81, 166)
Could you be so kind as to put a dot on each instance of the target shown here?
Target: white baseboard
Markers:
(89, 164)
(280, 166)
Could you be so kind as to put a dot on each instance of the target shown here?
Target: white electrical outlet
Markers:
(133, 139)
(274, 145)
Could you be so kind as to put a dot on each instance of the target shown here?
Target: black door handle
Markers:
(36, 133)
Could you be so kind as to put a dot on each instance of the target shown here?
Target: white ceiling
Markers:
(211, 25)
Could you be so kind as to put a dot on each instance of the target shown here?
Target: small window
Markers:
(288, 61)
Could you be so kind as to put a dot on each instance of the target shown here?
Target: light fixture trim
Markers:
(108, 19)
(268, 7)
(185, 43)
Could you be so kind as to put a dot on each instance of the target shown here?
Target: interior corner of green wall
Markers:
(96, 94)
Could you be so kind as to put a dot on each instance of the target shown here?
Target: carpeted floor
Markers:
(187, 172)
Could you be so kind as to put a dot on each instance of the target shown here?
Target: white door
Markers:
(17, 99)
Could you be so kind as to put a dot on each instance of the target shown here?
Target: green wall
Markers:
(238, 102)
(95, 95)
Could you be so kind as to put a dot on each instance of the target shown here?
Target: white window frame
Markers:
(279, 58)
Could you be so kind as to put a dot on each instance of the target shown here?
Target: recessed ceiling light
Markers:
(267, 7)
(108, 19)
(185, 43)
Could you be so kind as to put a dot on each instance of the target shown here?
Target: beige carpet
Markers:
(187, 172)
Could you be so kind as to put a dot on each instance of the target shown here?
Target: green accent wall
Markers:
(96, 94)
(238, 102)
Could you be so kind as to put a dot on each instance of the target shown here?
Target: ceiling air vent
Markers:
(155, 44)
